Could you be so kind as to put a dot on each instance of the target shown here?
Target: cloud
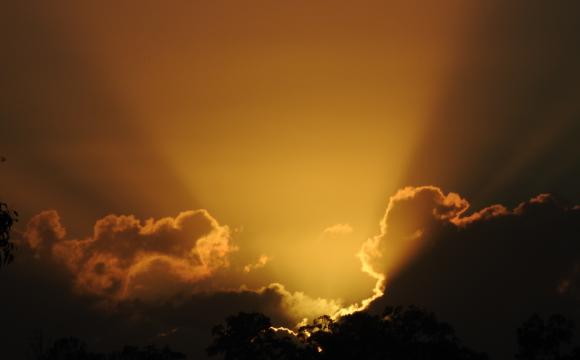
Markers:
(43, 231)
(401, 235)
(126, 258)
(484, 272)
(409, 215)
(40, 291)
(194, 315)
(302, 306)
(151, 275)
(262, 261)
(152, 261)
(338, 229)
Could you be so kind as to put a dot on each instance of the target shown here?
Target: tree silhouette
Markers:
(546, 340)
(7, 219)
(250, 336)
(401, 333)
(71, 348)
(150, 352)
(236, 339)
(67, 349)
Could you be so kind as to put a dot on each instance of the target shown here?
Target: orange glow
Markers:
(125, 258)
(280, 119)
(292, 123)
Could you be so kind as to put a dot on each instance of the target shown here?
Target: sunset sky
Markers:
(290, 157)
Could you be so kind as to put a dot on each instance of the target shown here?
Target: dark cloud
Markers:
(484, 272)
(37, 298)
(134, 282)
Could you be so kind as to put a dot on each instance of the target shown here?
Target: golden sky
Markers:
(282, 119)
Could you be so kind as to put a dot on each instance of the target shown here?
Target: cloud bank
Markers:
(139, 282)
(483, 271)
(152, 261)
(125, 258)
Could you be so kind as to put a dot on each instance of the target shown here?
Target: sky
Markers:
(176, 162)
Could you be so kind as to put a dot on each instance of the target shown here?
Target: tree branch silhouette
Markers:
(7, 219)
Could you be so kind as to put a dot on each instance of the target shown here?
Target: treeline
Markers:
(400, 333)
(71, 348)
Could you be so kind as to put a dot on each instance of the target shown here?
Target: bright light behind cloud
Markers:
(127, 259)
(282, 131)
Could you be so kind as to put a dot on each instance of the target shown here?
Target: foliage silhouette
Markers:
(65, 349)
(74, 349)
(401, 333)
(546, 340)
(7, 219)
(148, 353)
(250, 336)
(408, 333)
